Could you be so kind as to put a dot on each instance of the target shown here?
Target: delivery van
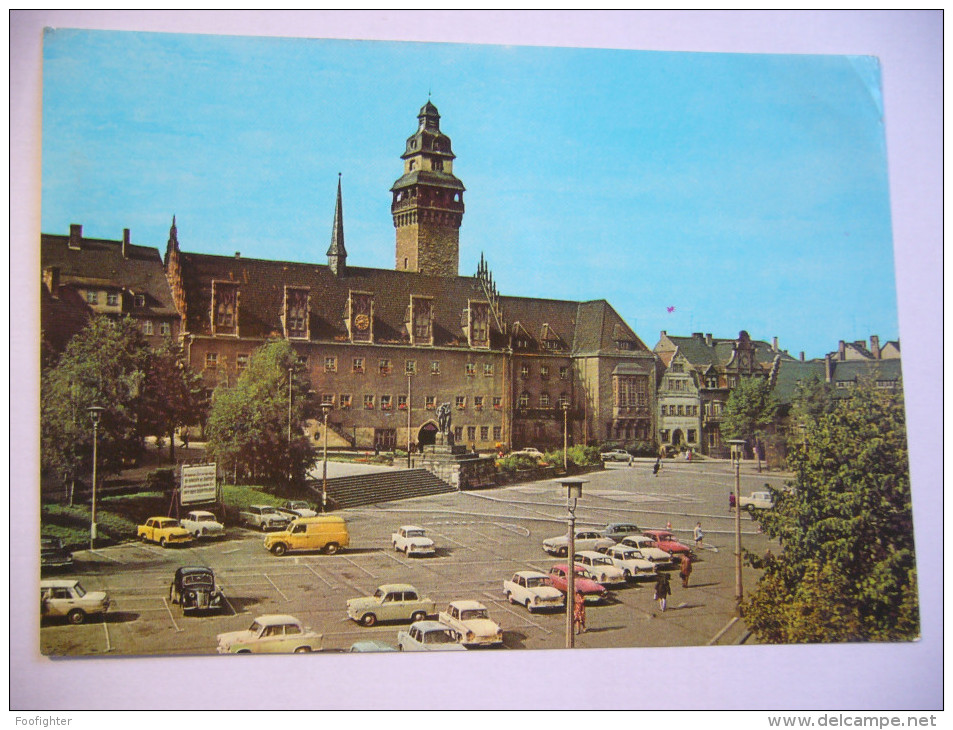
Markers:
(324, 532)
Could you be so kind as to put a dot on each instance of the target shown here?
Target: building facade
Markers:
(386, 347)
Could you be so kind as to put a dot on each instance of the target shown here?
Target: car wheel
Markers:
(162, 542)
(76, 616)
(243, 651)
(562, 552)
(418, 616)
(279, 548)
(331, 548)
(529, 605)
(400, 647)
(303, 650)
(171, 594)
(626, 574)
(202, 533)
(508, 596)
(396, 549)
(368, 619)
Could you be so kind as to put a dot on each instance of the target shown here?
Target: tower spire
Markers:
(337, 254)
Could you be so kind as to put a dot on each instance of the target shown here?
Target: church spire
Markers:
(173, 243)
(337, 255)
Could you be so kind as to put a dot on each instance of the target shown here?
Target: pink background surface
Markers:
(908, 676)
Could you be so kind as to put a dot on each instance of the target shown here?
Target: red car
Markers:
(665, 540)
(590, 590)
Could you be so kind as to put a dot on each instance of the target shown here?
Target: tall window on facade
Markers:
(224, 308)
(523, 401)
(147, 327)
(165, 328)
(544, 401)
(360, 318)
(296, 312)
(430, 402)
(345, 401)
(435, 367)
(479, 324)
(421, 320)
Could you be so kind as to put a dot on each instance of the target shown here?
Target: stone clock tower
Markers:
(427, 202)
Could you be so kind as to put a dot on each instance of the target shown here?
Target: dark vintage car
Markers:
(53, 554)
(193, 588)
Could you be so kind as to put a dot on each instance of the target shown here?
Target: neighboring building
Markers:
(82, 277)
(386, 347)
(697, 376)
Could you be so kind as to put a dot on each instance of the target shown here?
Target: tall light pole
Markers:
(325, 409)
(409, 376)
(737, 449)
(290, 371)
(573, 492)
(95, 413)
(565, 406)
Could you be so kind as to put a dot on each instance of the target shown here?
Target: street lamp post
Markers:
(290, 370)
(737, 449)
(325, 409)
(409, 376)
(573, 492)
(95, 413)
(565, 406)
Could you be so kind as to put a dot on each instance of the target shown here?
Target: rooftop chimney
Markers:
(663, 334)
(802, 355)
(125, 243)
(828, 367)
(708, 339)
(697, 335)
(75, 236)
(774, 344)
(841, 350)
(238, 254)
(875, 346)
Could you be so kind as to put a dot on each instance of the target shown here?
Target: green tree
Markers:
(846, 571)
(749, 411)
(104, 365)
(171, 395)
(251, 428)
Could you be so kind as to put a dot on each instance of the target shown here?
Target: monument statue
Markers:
(443, 419)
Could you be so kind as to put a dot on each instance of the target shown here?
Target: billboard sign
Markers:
(197, 484)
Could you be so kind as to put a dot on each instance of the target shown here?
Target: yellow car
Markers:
(163, 530)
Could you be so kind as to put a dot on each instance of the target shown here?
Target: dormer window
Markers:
(420, 320)
(360, 316)
(478, 324)
(224, 308)
(296, 312)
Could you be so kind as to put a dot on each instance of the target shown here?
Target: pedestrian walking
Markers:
(663, 590)
(579, 613)
(668, 525)
(731, 501)
(698, 534)
(658, 465)
(685, 570)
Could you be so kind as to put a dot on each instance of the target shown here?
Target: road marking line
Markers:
(485, 537)
(504, 605)
(721, 633)
(517, 529)
(103, 555)
(327, 582)
(171, 617)
(447, 537)
(359, 567)
(106, 631)
(229, 552)
(276, 587)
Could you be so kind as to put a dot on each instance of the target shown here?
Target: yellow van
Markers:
(323, 532)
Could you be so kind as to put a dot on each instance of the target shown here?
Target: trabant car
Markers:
(53, 554)
(583, 540)
(534, 590)
(756, 500)
(591, 591)
(616, 455)
(666, 540)
(428, 636)
(618, 530)
(471, 622)
(193, 588)
(391, 602)
(297, 508)
(600, 568)
(165, 531)
(202, 524)
(412, 540)
(645, 545)
(271, 634)
(631, 562)
(68, 598)
(264, 517)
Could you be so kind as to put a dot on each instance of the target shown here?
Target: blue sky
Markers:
(746, 191)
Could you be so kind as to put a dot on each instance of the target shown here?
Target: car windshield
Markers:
(378, 593)
(538, 582)
(194, 579)
(299, 505)
(438, 636)
(79, 590)
(473, 613)
(416, 533)
(601, 561)
(255, 627)
(268, 511)
(204, 518)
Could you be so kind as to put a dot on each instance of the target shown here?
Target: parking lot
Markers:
(482, 538)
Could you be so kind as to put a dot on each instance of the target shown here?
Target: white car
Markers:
(270, 634)
(202, 524)
(297, 508)
(428, 636)
(412, 540)
(644, 545)
(615, 455)
(471, 623)
(584, 540)
(68, 598)
(600, 568)
(631, 562)
(528, 451)
(534, 590)
(756, 500)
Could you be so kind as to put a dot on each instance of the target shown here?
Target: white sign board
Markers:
(198, 484)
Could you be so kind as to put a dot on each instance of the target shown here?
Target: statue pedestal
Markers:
(454, 464)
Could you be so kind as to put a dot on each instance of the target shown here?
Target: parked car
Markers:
(68, 598)
(528, 451)
(165, 531)
(534, 590)
(665, 540)
(203, 524)
(324, 532)
(631, 561)
(646, 546)
(617, 530)
(370, 645)
(193, 588)
(428, 636)
(263, 517)
(471, 622)
(391, 602)
(600, 568)
(591, 591)
(271, 634)
(584, 540)
(53, 554)
(412, 540)
(297, 508)
(616, 455)
(756, 500)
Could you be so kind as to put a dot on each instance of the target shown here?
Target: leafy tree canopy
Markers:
(250, 428)
(846, 571)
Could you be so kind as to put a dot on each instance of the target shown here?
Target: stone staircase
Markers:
(363, 489)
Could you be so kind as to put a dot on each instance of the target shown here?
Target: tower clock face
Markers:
(362, 321)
